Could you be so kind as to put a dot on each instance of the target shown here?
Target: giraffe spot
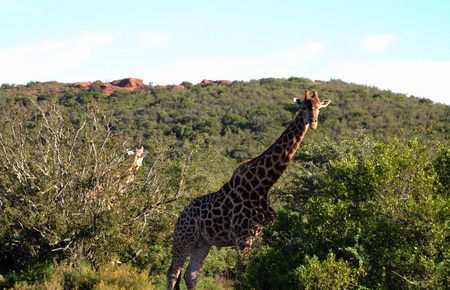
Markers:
(239, 190)
(261, 172)
(268, 162)
(225, 210)
(271, 173)
(237, 179)
(216, 211)
(208, 223)
(292, 141)
(233, 195)
(210, 231)
(248, 213)
(280, 166)
(196, 211)
(254, 182)
(248, 175)
(247, 203)
(259, 189)
(226, 188)
(248, 187)
(254, 196)
(277, 149)
(229, 202)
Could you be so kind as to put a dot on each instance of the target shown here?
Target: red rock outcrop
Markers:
(129, 83)
(223, 82)
(177, 88)
(205, 83)
(82, 84)
(107, 88)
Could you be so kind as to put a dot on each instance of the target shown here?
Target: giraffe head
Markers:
(139, 154)
(310, 107)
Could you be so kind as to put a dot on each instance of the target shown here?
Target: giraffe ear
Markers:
(307, 95)
(297, 101)
(325, 103)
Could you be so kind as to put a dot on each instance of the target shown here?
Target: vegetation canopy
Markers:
(365, 204)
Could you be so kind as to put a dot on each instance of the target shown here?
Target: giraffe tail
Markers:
(177, 285)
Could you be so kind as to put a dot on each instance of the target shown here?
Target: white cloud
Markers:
(46, 60)
(154, 39)
(427, 79)
(282, 64)
(4, 2)
(303, 54)
(377, 42)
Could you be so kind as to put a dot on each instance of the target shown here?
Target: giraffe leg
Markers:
(173, 275)
(179, 255)
(244, 244)
(198, 255)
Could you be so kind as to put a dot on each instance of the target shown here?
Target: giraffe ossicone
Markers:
(233, 215)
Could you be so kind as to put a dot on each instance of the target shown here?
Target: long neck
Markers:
(260, 173)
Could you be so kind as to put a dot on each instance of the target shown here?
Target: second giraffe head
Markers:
(310, 107)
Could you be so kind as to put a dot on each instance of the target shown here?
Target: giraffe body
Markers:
(233, 216)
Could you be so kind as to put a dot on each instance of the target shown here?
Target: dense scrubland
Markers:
(365, 203)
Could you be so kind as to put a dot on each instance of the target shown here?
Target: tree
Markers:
(70, 192)
(378, 213)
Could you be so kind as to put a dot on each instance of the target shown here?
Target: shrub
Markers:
(380, 214)
(326, 274)
(123, 277)
(83, 277)
(69, 191)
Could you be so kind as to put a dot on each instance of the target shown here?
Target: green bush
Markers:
(327, 274)
(380, 211)
(352, 198)
(83, 277)
(39, 272)
(123, 277)
(69, 191)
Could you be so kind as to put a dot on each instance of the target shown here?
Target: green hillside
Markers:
(365, 203)
(247, 116)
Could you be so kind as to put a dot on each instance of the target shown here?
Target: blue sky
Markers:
(399, 45)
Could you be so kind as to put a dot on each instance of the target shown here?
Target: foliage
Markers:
(84, 277)
(327, 274)
(70, 192)
(360, 206)
(245, 117)
(378, 213)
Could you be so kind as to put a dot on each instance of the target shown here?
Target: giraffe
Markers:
(120, 180)
(234, 215)
(139, 154)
